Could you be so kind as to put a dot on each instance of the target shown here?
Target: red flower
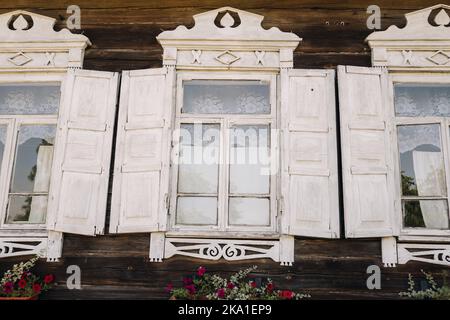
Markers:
(286, 294)
(253, 284)
(230, 285)
(49, 279)
(201, 271)
(22, 283)
(37, 287)
(8, 287)
(187, 281)
(190, 288)
(221, 293)
(169, 287)
(269, 287)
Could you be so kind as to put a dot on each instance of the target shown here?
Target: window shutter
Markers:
(367, 164)
(309, 154)
(79, 182)
(141, 173)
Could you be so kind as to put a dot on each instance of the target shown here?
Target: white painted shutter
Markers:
(309, 154)
(141, 173)
(368, 176)
(79, 182)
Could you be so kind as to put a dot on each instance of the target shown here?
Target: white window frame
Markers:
(13, 122)
(444, 125)
(226, 121)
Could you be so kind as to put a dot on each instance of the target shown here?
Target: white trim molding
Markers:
(394, 252)
(12, 247)
(419, 45)
(228, 39)
(216, 249)
(428, 253)
(28, 43)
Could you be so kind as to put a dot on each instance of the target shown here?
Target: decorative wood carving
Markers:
(419, 44)
(12, 247)
(232, 42)
(428, 253)
(215, 249)
(28, 42)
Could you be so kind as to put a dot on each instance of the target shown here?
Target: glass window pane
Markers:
(27, 209)
(249, 211)
(198, 170)
(249, 159)
(31, 174)
(226, 97)
(197, 210)
(3, 132)
(421, 160)
(431, 214)
(414, 100)
(29, 99)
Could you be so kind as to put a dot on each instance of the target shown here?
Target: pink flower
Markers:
(221, 293)
(230, 285)
(201, 271)
(8, 287)
(269, 287)
(187, 281)
(253, 284)
(190, 288)
(169, 287)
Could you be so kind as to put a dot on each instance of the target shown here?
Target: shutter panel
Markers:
(141, 173)
(367, 164)
(79, 182)
(309, 154)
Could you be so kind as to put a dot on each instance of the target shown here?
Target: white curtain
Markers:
(430, 181)
(41, 184)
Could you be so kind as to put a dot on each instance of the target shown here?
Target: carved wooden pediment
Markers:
(29, 42)
(228, 38)
(423, 43)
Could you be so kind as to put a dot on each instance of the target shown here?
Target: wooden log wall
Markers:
(123, 37)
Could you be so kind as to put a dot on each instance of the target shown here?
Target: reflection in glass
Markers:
(422, 175)
(226, 97)
(31, 174)
(249, 159)
(197, 210)
(3, 130)
(416, 214)
(198, 170)
(29, 99)
(249, 211)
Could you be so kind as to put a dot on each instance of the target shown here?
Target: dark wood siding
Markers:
(123, 36)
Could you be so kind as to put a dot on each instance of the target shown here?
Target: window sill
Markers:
(269, 235)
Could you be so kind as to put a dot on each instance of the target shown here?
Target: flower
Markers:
(286, 294)
(230, 285)
(187, 281)
(221, 293)
(8, 287)
(37, 287)
(201, 271)
(169, 287)
(269, 287)
(253, 284)
(22, 283)
(49, 279)
(190, 288)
